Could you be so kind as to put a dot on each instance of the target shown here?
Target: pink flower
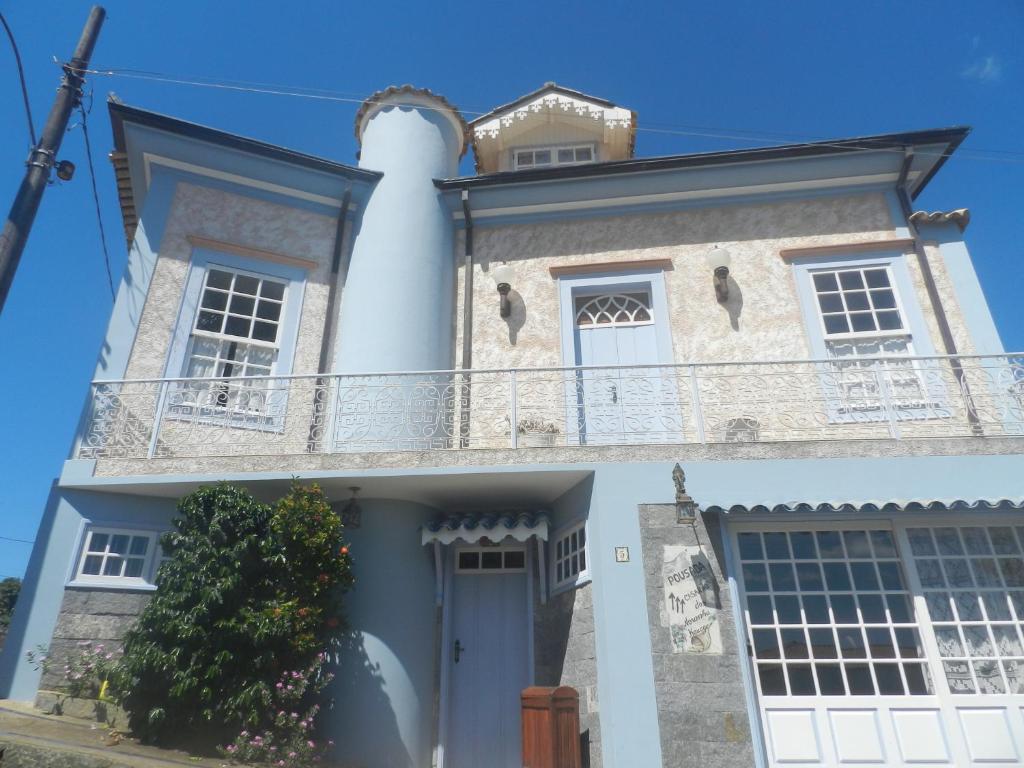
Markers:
(280, 762)
(280, 686)
(295, 715)
(311, 744)
(232, 747)
(292, 754)
(330, 742)
(243, 734)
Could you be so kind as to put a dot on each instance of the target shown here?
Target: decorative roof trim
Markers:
(471, 527)
(388, 94)
(876, 507)
(549, 86)
(959, 216)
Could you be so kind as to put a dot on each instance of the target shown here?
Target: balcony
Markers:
(890, 398)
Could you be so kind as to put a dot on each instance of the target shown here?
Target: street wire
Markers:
(96, 198)
(659, 128)
(21, 77)
(19, 541)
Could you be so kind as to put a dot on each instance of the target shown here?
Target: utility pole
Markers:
(42, 158)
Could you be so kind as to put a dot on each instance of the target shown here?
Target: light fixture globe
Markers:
(503, 276)
(719, 259)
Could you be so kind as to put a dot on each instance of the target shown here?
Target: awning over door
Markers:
(474, 526)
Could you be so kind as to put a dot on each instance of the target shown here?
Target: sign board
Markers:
(692, 601)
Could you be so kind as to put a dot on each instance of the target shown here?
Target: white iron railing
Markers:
(863, 398)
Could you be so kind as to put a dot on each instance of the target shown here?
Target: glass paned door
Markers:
(886, 643)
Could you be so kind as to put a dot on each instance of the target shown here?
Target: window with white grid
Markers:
(859, 311)
(569, 556)
(829, 613)
(236, 332)
(237, 325)
(972, 578)
(539, 157)
(115, 555)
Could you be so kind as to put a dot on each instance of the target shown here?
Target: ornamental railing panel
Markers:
(884, 398)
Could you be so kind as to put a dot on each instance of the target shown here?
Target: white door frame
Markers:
(446, 635)
(570, 287)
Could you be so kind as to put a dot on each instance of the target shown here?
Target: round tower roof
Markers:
(412, 96)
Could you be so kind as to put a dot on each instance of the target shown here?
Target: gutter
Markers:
(945, 331)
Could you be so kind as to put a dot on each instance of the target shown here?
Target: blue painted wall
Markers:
(398, 302)
(384, 687)
(57, 544)
(969, 296)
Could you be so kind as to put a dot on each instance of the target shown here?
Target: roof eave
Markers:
(952, 137)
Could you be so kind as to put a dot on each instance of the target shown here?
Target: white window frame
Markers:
(915, 330)
(288, 327)
(553, 149)
(563, 534)
(144, 580)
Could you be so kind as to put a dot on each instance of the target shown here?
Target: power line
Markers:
(657, 128)
(21, 77)
(96, 198)
(19, 541)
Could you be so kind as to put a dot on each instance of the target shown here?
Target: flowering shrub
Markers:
(87, 671)
(289, 740)
(247, 590)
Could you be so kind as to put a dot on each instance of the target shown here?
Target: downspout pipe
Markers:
(467, 320)
(327, 339)
(317, 427)
(938, 310)
(467, 286)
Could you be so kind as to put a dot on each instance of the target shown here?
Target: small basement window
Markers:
(569, 556)
(541, 157)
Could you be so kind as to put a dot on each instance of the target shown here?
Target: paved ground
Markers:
(32, 740)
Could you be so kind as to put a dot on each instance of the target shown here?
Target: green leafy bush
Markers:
(248, 591)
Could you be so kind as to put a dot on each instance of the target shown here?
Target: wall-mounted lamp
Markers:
(719, 259)
(503, 275)
(686, 507)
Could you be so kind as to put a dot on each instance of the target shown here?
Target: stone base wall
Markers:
(702, 714)
(565, 654)
(93, 615)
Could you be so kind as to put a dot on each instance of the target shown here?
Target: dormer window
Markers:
(552, 126)
(540, 157)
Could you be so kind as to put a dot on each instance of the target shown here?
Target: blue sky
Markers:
(702, 74)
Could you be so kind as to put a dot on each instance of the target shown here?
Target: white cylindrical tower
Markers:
(396, 310)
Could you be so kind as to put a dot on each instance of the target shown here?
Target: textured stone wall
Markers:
(761, 320)
(240, 221)
(94, 615)
(702, 712)
(565, 654)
